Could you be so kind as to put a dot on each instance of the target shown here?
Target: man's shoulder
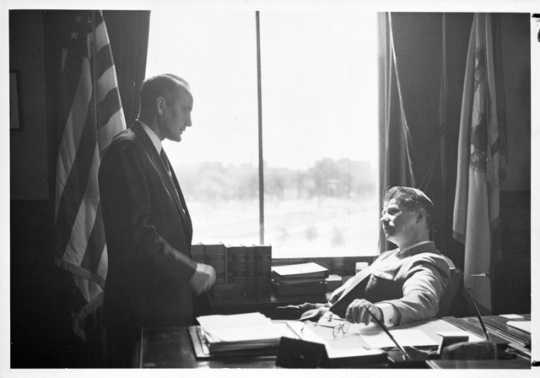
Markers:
(438, 260)
(126, 138)
(125, 143)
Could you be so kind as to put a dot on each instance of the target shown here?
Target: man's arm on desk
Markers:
(422, 291)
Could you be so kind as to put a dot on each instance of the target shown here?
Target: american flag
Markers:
(92, 114)
(481, 155)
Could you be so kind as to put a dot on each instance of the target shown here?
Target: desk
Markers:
(171, 348)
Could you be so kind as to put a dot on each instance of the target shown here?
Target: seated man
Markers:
(404, 284)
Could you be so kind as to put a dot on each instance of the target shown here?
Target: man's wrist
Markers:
(389, 314)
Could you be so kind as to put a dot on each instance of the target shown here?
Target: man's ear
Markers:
(161, 103)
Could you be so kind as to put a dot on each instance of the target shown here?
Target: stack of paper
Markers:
(306, 279)
(523, 325)
(250, 331)
(300, 271)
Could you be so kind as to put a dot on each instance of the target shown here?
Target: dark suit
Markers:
(148, 232)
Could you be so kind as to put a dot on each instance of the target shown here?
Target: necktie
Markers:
(355, 289)
(165, 162)
(167, 165)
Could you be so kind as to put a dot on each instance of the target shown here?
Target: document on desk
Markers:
(419, 334)
(523, 325)
(341, 347)
(215, 324)
(226, 333)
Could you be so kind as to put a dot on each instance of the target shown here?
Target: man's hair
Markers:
(167, 86)
(411, 199)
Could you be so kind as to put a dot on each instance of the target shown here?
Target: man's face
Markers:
(177, 116)
(397, 222)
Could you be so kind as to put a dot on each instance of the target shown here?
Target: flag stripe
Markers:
(103, 262)
(72, 131)
(86, 214)
(96, 242)
(102, 38)
(111, 128)
(108, 107)
(103, 61)
(77, 182)
(105, 83)
(78, 272)
(72, 72)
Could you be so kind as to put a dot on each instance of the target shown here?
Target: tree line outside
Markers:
(328, 209)
(330, 178)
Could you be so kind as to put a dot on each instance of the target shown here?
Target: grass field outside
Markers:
(316, 227)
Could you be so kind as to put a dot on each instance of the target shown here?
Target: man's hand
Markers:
(357, 311)
(203, 278)
(315, 313)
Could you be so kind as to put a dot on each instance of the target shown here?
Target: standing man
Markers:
(152, 280)
(402, 285)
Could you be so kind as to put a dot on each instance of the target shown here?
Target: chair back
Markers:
(453, 302)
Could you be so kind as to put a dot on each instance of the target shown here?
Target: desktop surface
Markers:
(173, 348)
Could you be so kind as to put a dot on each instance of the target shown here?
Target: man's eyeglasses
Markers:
(341, 329)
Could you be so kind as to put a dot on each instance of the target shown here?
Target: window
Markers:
(216, 162)
(320, 130)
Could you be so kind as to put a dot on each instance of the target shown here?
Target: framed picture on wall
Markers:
(14, 119)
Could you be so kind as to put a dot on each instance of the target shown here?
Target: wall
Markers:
(39, 318)
(515, 52)
(512, 289)
(28, 146)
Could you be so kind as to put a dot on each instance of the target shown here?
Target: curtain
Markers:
(396, 163)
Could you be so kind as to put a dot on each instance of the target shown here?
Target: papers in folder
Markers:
(337, 348)
(250, 331)
(523, 325)
(305, 270)
(418, 335)
(371, 336)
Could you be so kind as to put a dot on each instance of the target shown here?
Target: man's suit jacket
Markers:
(148, 232)
(413, 281)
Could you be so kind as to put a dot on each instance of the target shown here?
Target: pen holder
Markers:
(417, 358)
(294, 353)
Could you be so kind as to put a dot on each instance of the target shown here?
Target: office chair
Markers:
(454, 301)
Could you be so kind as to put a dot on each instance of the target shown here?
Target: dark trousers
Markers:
(121, 347)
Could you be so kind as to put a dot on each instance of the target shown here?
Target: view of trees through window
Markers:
(319, 99)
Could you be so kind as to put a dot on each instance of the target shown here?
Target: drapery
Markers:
(395, 147)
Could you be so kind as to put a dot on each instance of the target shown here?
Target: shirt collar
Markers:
(420, 246)
(153, 136)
